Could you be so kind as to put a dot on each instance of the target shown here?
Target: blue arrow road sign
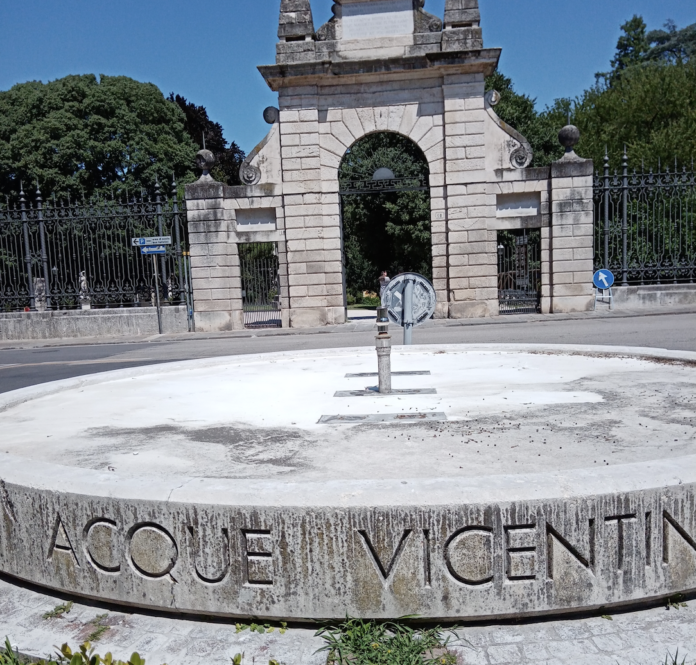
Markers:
(157, 249)
(603, 279)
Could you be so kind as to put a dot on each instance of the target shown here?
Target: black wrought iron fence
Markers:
(645, 224)
(58, 255)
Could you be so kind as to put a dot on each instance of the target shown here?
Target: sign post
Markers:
(154, 246)
(603, 281)
(157, 293)
(410, 301)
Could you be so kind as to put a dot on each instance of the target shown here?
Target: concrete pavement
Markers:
(26, 363)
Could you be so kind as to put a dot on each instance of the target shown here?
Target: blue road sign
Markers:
(157, 249)
(147, 242)
(603, 279)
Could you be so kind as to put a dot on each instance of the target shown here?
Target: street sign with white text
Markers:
(156, 249)
(156, 240)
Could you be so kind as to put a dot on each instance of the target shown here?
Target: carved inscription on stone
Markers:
(565, 552)
(61, 548)
(469, 555)
(258, 559)
(102, 546)
(153, 551)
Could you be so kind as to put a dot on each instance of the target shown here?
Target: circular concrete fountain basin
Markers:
(496, 481)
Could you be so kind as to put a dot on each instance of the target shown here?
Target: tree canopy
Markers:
(646, 103)
(199, 125)
(78, 136)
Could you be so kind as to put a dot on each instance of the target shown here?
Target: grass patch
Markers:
(361, 642)
(58, 611)
(99, 628)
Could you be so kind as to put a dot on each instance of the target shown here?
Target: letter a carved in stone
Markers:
(60, 543)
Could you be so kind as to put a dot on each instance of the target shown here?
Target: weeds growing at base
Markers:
(361, 642)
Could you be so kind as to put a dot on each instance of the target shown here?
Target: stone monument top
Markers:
(379, 31)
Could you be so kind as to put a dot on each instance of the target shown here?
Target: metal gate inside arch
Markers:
(259, 266)
(519, 271)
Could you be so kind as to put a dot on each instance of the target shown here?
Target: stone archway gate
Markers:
(387, 65)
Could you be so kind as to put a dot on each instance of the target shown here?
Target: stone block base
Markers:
(567, 304)
(69, 324)
(313, 317)
(219, 321)
(655, 295)
(474, 309)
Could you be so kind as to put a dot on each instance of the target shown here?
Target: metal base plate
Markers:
(383, 418)
(369, 374)
(374, 392)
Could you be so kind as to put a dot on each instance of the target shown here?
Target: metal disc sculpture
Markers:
(410, 301)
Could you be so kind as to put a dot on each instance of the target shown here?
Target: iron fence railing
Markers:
(259, 265)
(645, 224)
(519, 271)
(57, 255)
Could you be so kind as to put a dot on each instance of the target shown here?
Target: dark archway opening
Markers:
(385, 204)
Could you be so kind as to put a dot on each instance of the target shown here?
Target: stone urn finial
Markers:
(205, 160)
(569, 137)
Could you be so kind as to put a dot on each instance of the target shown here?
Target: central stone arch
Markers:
(385, 211)
(387, 66)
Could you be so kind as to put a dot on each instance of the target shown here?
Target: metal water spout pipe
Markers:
(383, 344)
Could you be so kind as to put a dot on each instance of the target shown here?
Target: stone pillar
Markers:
(571, 242)
(215, 273)
(473, 267)
(312, 218)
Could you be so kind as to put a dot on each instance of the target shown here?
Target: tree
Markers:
(389, 231)
(633, 46)
(519, 112)
(671, 44)
(198, 124)
(79, 136)
(645, 103)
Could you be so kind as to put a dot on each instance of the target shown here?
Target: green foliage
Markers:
(389, 231)
(58, 610)
(258, 628)
(362, 642)
(649, 109)
(633, 46)
(671, 44)
(99, 628)
(198, 124)
(676, 602)
(9, 656)
(674, 659)
(239, 660)
(646, 103)
(77, 135)
(84, 655)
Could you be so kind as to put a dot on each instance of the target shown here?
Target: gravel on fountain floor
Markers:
(630, 638)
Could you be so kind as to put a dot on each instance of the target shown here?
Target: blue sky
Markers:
(208, 51)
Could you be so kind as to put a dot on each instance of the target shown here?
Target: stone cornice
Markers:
(451, 62)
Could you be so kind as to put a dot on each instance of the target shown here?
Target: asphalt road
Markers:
(29, 364)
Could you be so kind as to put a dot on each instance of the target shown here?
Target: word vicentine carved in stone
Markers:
(453, 561)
